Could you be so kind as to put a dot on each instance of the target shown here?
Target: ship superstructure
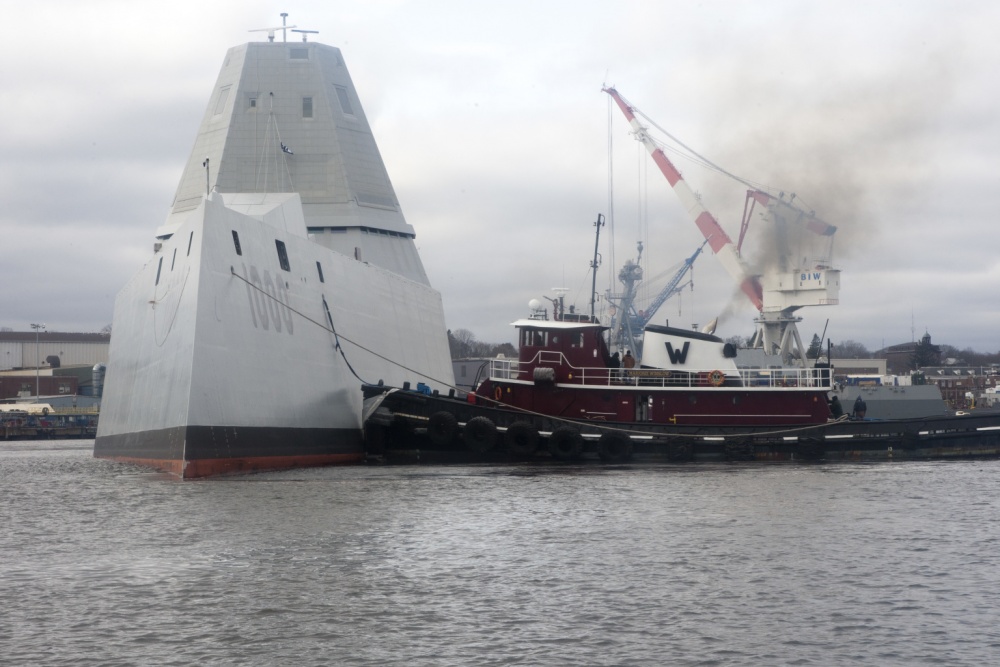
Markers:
(284, 275)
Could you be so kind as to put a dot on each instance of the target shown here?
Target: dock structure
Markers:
(35, 422)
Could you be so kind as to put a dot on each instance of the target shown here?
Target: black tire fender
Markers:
(615, 447)
(441, 428)
(680, 451)
(521, 438)
(480, 434)
(810, 449)
(740, 450)
(565, 443)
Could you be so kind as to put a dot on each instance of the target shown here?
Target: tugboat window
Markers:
(534, 338)
(236, 242)
(282, 255)
(537, 338)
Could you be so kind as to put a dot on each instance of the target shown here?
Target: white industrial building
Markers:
(51, 349)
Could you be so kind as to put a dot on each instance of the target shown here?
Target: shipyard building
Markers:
(50, 363)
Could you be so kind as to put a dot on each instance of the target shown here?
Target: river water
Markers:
(774, 564)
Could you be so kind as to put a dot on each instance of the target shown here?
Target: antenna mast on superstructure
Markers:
(270, 31)
(306, 32)
(596, 263)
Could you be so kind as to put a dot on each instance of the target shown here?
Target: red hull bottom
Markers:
(202, 451)
(228, 466)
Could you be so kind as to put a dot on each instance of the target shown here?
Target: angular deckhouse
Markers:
(284, 276)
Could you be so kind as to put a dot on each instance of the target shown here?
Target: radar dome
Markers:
(534, 304)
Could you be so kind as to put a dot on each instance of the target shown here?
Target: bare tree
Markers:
(850, 349)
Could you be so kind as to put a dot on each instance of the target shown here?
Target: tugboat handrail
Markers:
(749, 379)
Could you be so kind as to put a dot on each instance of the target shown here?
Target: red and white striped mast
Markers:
(721, 244)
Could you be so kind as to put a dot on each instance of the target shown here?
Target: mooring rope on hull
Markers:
(332, 329)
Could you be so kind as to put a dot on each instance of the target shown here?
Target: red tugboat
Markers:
(566, 398)
(567, 389)
(564, 369)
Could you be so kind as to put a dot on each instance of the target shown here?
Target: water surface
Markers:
(109, 564)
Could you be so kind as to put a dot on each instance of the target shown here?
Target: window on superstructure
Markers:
(253, 102)
(173, 259)
(307, 107)
(190, 238)
(298, 53)
(220, 104)
(345, 101)
(282, 255)
(236, 243)
(159, 267)
(319, 270)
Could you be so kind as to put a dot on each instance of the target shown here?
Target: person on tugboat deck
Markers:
(628, 362)
(615, 363)
(835, 408)
(860, 408)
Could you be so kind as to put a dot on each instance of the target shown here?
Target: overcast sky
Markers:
(883, 117)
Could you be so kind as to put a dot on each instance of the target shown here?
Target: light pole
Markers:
(38, 360)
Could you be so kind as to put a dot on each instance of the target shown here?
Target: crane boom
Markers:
(811, 222)
(672, 287)
(720, 242)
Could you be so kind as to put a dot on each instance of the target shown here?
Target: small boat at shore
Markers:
(567, 398)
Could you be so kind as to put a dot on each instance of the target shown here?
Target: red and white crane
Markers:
(721, 244)
(793, 281)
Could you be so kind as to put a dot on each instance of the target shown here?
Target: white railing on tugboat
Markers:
(770, 378)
